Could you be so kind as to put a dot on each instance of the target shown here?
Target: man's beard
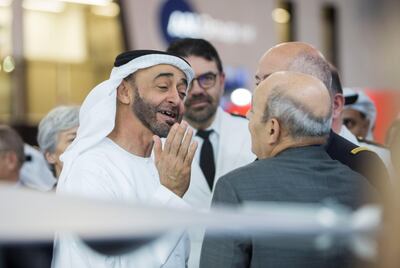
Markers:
(147, 114)
(203, 114)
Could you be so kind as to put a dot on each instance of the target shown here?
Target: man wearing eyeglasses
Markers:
(223, 139)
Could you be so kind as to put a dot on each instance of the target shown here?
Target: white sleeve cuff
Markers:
(164, 196)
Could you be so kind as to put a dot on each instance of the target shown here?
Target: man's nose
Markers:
(173, 96)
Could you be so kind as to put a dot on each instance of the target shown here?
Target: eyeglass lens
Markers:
(206, 80)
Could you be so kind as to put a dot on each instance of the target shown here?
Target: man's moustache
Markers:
(197, 98)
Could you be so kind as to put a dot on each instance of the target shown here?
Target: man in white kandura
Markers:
(110, 159)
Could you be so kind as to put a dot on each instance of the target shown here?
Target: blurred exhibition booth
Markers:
(53, 52)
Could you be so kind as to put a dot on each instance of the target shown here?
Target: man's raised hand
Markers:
(174, 161)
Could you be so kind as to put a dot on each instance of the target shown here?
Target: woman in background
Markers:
(56, 132)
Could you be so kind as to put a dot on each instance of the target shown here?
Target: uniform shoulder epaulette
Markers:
(238, 115)
(371, 143)
(359, 149)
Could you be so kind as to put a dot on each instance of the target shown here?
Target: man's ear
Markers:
(50, 157)
(124, 93)
(274, 131)
(11, 160)
(338, 104)
(222, 83)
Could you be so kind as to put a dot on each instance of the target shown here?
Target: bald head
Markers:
(299, 101)
(304, 89)
(297, 57)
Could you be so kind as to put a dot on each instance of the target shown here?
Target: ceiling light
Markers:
(44, 6)
(5, 3)
(89, 2)
(280, 15)
(8, 64)
(110, 10)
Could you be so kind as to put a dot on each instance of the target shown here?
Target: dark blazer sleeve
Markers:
(225, 251)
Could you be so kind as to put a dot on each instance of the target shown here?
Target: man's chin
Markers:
(162, 129)
(200, 116)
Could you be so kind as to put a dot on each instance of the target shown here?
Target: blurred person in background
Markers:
(25, 166)
(11, 154)
(223, 139)
(12, 158)
(56, 132)
(359, 116)
(35, 173)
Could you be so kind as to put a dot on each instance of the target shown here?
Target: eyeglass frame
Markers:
(202, 75)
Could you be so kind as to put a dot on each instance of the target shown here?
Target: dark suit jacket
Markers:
(365, 162)
(301, 175)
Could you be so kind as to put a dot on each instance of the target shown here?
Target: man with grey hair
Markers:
(11, 154)
(289, 122)
(56, 132)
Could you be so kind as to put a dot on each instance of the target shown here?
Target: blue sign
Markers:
(168, 8)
